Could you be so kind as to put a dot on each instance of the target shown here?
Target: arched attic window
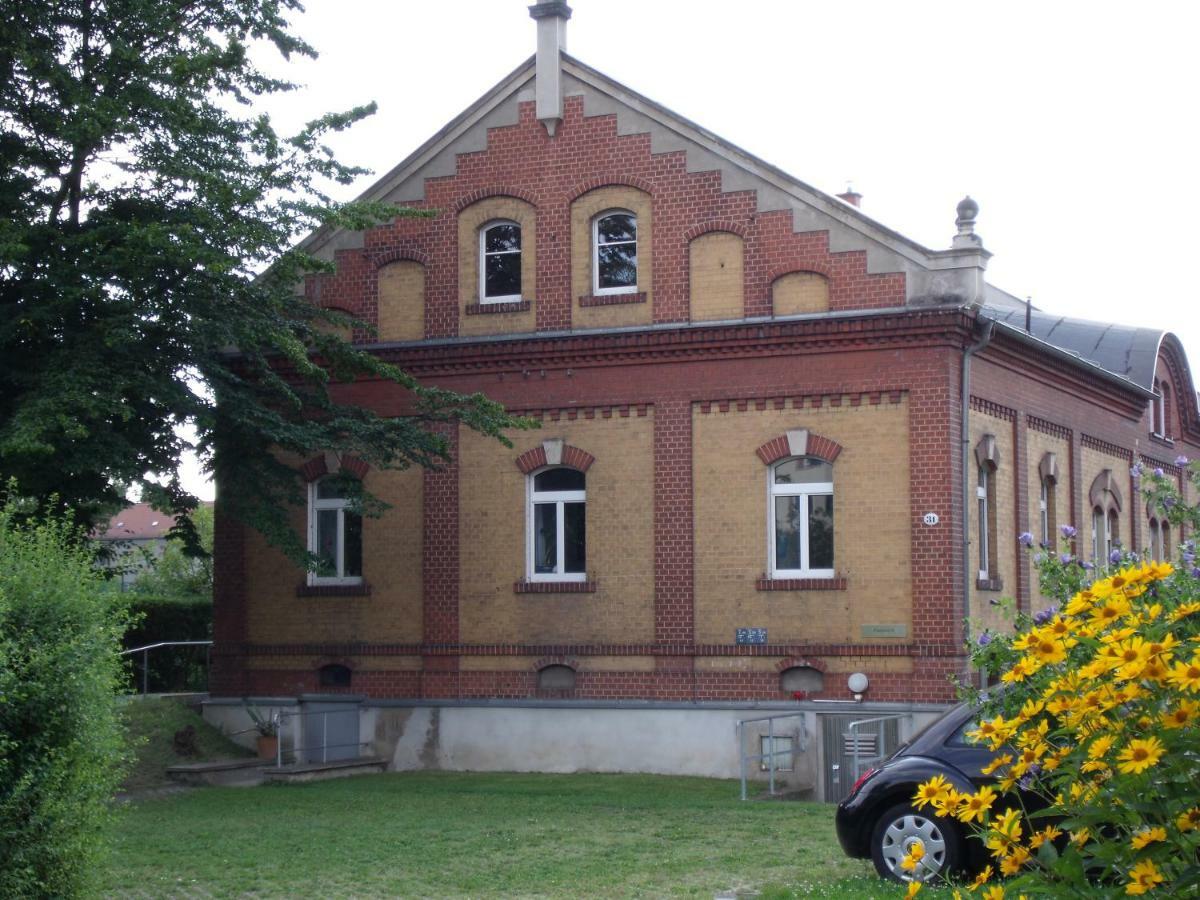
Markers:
(614, 253)
(500, 262)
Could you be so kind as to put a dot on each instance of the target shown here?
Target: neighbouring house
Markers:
(133, 538)
(781, 445)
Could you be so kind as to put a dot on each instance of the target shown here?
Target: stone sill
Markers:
(485, 309)
(989, 584)
(554, 587)
(612, 299)
(333, 590)
(800, 584)
(1162, 439)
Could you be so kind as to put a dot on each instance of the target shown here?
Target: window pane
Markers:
(329, 489)
(502, 237)
(820, 531)
(574, 536)
(502, 275)
(327, 542)
(618, 265)
(618, 227)
(805, 470)
(545, 538)
(787, 532)
(558, 480)
(983, 535)
(353, 558)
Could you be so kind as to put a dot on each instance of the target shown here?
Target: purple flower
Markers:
(1114, 557)
(1136, 470)
(1068, 531)
(1168, 501)
(1181, 460)
(1045, 615)
(1158, 473)
(985, 639)
(1037, 559)
(1064, 558)
(1025, 539)
(1196, 572)
(1089, 566)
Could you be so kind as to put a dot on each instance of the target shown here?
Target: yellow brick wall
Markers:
(391, 566)
(620, 532)
(715, 277)
(470, 220)
(1038, 445)
(800, 292)
(983, 612)
(402, 301)
(583, 211)
(872, 518)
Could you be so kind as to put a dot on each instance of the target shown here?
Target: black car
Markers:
(878, 819)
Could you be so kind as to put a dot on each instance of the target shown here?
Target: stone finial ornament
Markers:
(967, 210)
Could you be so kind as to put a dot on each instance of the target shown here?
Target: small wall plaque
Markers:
(752, 635)
(930, 518)
(885, 631)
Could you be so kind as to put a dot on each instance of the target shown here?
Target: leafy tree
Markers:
(175, 574)
(141, 201)
(61, 747)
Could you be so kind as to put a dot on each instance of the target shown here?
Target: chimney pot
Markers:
(551, 17)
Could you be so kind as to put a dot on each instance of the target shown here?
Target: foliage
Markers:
(158, 618)
(61, 749)
(1099, 719)
(149, 265)
(176, 573)
(266, 725)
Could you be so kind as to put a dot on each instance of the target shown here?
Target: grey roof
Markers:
(1123, 350)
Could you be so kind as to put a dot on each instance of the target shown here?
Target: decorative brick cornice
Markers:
(554, 587)
(485, 309)
(572, 413)
(782, 447)
(325, 463)
(808, 662)
(333, 590)
(381, 258)
(572, 458)
(1171, 469)
(496, 191)
(717, 226)
(1102, 446)
(1045, 426)
(609, 181)
(991, 408)
(802, 267)
(800, 584)
(612, 299)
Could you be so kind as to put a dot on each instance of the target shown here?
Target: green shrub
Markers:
(61, 747)
(157, 618)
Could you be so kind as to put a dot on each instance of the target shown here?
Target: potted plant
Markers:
(267, 727)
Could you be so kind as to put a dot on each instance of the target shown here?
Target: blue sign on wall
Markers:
(752, 635)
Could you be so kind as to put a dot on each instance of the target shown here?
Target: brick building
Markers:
(780, 443)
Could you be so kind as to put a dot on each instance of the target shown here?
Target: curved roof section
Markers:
(1123, 350)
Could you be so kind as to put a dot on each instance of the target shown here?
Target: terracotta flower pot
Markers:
(268, 746)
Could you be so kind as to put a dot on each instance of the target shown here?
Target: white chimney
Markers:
(551, 17)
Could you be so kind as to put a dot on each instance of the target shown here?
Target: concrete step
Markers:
(228, 772)
(339, 768)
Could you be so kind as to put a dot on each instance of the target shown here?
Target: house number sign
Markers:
(931, 519)
(752, 635)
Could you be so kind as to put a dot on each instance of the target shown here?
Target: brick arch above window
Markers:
(723, 225)
(609, 181)
(806, 267)
(569, 661)
(328, 463)
(555, 453)
(399, 254)
(809, 662)
(496, 191)
(1105, 483)
(799, 442)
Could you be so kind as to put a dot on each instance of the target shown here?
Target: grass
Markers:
(152, 724)
(437, 834)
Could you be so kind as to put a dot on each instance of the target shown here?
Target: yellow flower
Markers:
(1100, 746)
(1015, 860)
(1181, 716)
(947, 804)
(995, 892)
(1190, 820)
(1049, 833)
(1148, 836)
(1080, 837)
(915, 854)
(1144, 877)
(1140, 755)
(973, 806)
(1183, 610)
(997, 763)
(982, 878)
(1021, 669)
(914, 888)
(931, 791)
(1186, 676)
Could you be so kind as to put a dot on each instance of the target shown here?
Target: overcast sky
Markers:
(1073, 125)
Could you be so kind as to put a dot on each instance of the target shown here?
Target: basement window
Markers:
(334, 676)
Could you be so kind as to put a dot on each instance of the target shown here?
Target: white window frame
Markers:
(342, 505)
(1102, 536)
(1044, 511)
(559, 499)
(985, 535)
(483, 255)
(1155, 547)
(816, 488)
(596, 289)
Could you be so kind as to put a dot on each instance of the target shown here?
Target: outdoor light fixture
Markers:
(857, 683)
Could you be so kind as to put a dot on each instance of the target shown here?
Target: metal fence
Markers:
(188, 684)
(769, 757)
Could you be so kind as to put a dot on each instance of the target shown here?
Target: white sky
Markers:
(1071, 124)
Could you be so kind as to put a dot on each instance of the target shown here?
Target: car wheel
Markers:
(902, 826)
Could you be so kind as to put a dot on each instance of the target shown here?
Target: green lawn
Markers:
(435, 834)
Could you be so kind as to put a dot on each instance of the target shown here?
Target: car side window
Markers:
(960, 739)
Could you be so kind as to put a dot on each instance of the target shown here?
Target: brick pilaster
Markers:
(674, 575)
(440, 573)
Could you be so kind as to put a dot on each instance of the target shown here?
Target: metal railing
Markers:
(770, 757)
(145, 651)
(298, 747)
(856, 743)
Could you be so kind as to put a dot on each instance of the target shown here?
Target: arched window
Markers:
(1106, 516)
(334, 675)
(614, 253)
(1154, 541)
(500, 262)
(801, 518)
(1164, 397)
(985, 498)
(1046, 511)
(556, 678)
(334, 534)
(557, 525)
